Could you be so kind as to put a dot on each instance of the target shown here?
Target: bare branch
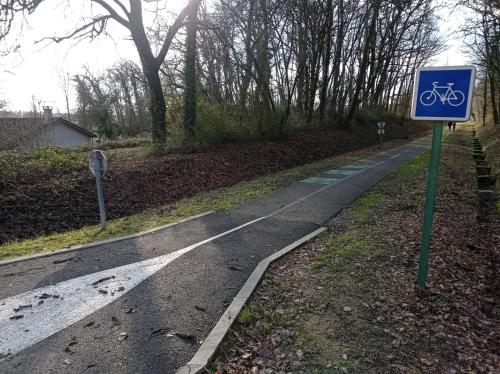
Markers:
(90, 30)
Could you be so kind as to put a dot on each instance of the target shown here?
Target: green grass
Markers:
(348, 245)
(418, 163)
(356, 269)
(219, 199)
(366, 204)
(247, 315)
(351, 259)
(346, 270)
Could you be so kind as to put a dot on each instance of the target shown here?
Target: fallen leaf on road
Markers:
(21, 307)
(103, 280)
(47, 296)
(186, 337)
(159, 332)
(19, 316)
(62, 261)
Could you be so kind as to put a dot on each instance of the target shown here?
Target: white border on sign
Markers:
(415, 89)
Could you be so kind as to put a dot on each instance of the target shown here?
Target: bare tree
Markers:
(268, 62)
(65, 85)
(131, 18)
(482, 42)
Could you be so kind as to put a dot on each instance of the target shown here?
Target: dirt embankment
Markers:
(36, 201)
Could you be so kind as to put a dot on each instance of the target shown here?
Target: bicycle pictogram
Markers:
(446, 94)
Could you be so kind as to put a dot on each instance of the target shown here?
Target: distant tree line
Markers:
(322, 59)
(482, 42)
(265, 61)
(113, 103)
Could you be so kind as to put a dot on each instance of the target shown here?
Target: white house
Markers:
(31, 133)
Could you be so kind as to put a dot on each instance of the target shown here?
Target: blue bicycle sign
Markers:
(443, 93)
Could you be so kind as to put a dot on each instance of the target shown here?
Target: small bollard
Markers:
(98, 166)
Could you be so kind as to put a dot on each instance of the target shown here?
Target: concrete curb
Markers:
(214, 339)
(102, 242)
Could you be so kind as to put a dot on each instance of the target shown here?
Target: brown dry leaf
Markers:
(426, 361)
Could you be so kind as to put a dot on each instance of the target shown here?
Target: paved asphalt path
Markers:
(144, 305)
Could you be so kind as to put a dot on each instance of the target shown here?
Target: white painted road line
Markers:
(197, 364)
(44, 315)
(79, 297)
(395, 156)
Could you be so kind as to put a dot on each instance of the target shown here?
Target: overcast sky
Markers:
(34, 69)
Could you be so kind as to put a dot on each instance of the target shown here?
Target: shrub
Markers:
(369, 116)
(218, 124)
(42, 160)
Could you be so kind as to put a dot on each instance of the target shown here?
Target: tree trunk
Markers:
(190, 77)
(485, 99)
(360, 81)
(326, 62)
(248, 55)
(493, 95)
(156, 106)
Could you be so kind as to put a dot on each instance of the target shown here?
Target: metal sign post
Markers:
(380, 132)
(98, 166)
(430, 200)
(441, 94)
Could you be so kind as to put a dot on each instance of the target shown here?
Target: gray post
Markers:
(100, 193)
(98, 167)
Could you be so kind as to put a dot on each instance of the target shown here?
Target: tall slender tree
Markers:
(190, 74)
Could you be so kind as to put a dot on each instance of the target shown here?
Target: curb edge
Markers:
(208, 348)
(102, 242)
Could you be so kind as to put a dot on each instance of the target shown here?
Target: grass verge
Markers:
(219, 199)
(351, 304)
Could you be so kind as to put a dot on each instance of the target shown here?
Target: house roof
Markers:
(14, 130)
(75, 126)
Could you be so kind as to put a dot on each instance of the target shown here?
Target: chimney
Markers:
(47, 114)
